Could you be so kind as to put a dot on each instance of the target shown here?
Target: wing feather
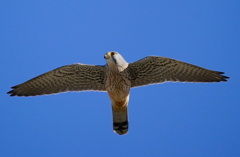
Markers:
(154, 69)
(74, 77)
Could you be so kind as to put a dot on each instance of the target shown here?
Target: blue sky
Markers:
(170, 119)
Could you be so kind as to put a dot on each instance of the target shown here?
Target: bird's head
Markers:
(114, 59)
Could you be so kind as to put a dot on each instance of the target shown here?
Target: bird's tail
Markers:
(120, 119)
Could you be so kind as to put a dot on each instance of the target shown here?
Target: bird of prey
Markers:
(116, 78)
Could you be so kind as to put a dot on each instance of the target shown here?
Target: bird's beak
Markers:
(106, 56)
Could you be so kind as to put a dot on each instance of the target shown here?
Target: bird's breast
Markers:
(118, 85)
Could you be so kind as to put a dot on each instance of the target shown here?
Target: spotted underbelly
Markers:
(118, 87)
(118, 94)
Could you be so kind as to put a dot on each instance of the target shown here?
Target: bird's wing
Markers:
(154, 69)
(74, 77)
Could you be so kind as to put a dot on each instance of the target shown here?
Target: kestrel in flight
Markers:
(117, 77)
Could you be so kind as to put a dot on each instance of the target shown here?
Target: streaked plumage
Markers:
(116, 78)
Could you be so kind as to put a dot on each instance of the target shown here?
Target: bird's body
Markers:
(117, 77)
(118, 87)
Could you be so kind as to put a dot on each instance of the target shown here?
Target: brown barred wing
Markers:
(74, 77)
(154, 69)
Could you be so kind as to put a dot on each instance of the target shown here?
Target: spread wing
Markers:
(154, 69)
(74, 77)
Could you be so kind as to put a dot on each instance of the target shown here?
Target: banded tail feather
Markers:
(120, 128)
(120, 120)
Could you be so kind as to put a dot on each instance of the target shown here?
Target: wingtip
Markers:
(219, 72)
(14, 87)
(224, 78)
(12, 93)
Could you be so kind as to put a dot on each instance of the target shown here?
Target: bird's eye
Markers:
(112, 53)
